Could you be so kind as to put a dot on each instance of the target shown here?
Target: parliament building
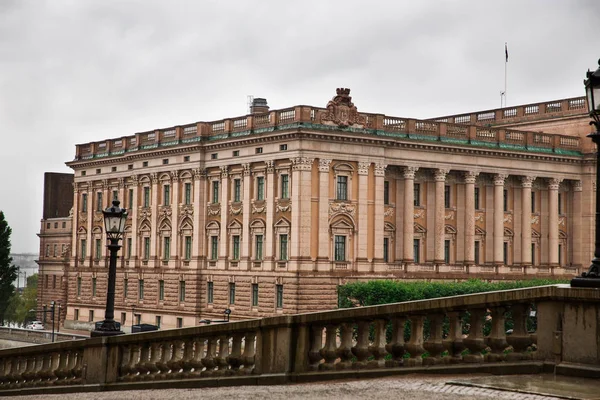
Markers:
(268, 213)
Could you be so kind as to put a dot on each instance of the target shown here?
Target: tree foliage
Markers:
(8, 272)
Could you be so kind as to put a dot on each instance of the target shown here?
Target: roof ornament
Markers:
(342, 112)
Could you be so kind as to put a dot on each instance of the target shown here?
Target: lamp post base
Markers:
(107, 328)
(585, 282)
(96, 333)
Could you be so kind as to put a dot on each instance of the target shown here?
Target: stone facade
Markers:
(266, 214)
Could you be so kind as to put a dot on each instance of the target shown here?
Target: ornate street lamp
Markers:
(114, 224)
(591, 278)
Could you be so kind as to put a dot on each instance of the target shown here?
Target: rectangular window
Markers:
(181, 291)
(532, 202)
(141, 289)
(505, 253)
(115, 195)
(340, 248)
(258, 150)
(78, 286)
(260, 188)
(129, 241)
(232, 293)
(560, 254)
(236, 153)
(285, 183)
(54, 276)
(123, 318)
(130, 166)
(138, 319)
(77, 314)
(215, 192)
(161, 290)
(237, 188)
(98, 249)
(179, 322)
(236, 247)
(532, 253)
(165, 161)
(166, 248)
(214, 247)
(188, 247)
(417, 250)
(210, 292)
(279, 299)
(476, 252)
(91, 316)
(186, 158)
(94, 287)
(446, 251)
(214, 156)
(167, 195)
(187, 193)
(560, 203)
(83, 248)
(258, 251)
(446, 196)
(255, 295)
(283, 247)
(55, 250)
(158, 320)
(146, 196)
(386, 244)
(476, 198)
(130, 199)
(386, 192)
(125, 288)
(99, 201)
(84, 202)
(282, 147)
(342, 188)
(417, 194)
(144, 163)
(47, 252)
(505, 200)
(146, 248)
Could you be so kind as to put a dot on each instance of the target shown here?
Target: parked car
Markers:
(35, 325)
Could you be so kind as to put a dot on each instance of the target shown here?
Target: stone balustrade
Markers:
(321, 345)
(36, 336)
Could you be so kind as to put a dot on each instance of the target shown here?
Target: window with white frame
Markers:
(343, 179)
(339, 248)
(282, 232)
(260, 188)
(285, 186)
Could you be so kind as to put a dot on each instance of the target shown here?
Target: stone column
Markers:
(323, 253)
(75, 223)
(133, 184)
(246, 198)
(409, 214)
(576, 258)
(499, 218)
(224, 212)
(363, 220)
(438, 245)
(526, 183)
(553, 184)
(107, 199)
(269, 255)
(154, 237)
(470, 178)
(199, 202)
(176, 251)
(91, 210)
(378, 223)
(301, 204)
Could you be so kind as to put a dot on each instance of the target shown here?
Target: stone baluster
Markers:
(249, 355)
(475, 342)
(377, 348)
(175, 363)
(140, 367)
(497, 338)
(316, 342)
(396, 345)
(4, 363)
(46, 373)
(361, 350)
(39, 368)
(221, 360)
(209, 361)
(415, 344)
(196, 362)
(162, 364)
(13, 372)
(434, 344)
(519, 339)
(344, 352)
(329, 351)
(28, 374)
(454, 341)
(235, 357)
(76, 370)
(61, 369)
(125, 367)
(188, 356)
(134, 358)
(150, 365)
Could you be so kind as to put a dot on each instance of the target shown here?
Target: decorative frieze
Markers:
(235, 211)
(302, 163)
(341, 208)
(246, 169)
(389, 211)
(224, 171)
(577, 186)
(199, 173)
(213, 209)
(259, 209)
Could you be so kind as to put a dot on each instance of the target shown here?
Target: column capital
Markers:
(104, 184)
(154, 178)
(553, 183)
(224, 172)
(121, 183)
(270, 166)
(440, 174)
(75, 187)
(527, 181)
(302, 163)
(380, 169)
(577, 186)
(409, 172)
(174, 176)
(246, 168)
(199, 173)
(363, 168)
(324, 165)
(499, 179)
(470, 176)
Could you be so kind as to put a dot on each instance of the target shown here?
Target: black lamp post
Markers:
(591, 278)
(114, 223)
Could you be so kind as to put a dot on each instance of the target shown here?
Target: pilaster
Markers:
(526, 184)
(409, 214)
(553, 185)
(363, 220)
(440, 180)
(223, 255)
(154, 237)
(324, 166)
(499, 218)
(378, 222)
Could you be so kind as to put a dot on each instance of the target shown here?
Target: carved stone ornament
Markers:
(98, 217)
(145, 212)
(258, 210)
(507, 219)
(561, 221)
(449, 217)
(479, 217)
(388, 212)
(283, 206)
(344, 208)
(165, 212)
(535, 220)
(419, 214)
(341, 111)
(380, 169)
(186, 211)
(302, 163)
(82, 216)
(235, 211)
(212, 210)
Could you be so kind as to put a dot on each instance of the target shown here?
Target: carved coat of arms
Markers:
(341, 111)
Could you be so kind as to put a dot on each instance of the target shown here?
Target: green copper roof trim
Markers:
(568, 152)
(453, 140)
(540, 149)
(149, 146)
(423, 137)
(480, 143)
(510, 146)
(117, 153)
(242, 133)
(192, 140)
(171, 143)
(391, 134)
(101, 155)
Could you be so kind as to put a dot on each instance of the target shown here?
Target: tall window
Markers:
(83, 248)
(446, 251)
(285, 182)
(342, 187)
(560, 203)
(210, 292)
(255, 295)
(237, 188)
(146, 248)
(78, 286)
(141, 289)
(125, 287)
(188, 247)
(84, 202)
(158, 320)
(166, 248)
(129, 241)
(146, 196)
(94, 287)
(386, 245)
(477, 198)
(188, 193)
(232, 293)
(417, 250)
(505, 253)
(179, 322)
(417, 194)
(167, 195)
(115, 195)
(161, 290)
(99, 201)
(505, 200)
(560, 254)
(214, 247)
(283, 247)
(215, 192)
(279, 294)
(386, 192)
(446, 196)
(98, 249)
(260, 188)
(236, 247)
(532, 202)
(130, 199)
(181, 291)
(532, 253)
(476, 252)
(258, 251)
(340, 248)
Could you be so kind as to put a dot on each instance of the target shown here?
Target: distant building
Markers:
(268, 213)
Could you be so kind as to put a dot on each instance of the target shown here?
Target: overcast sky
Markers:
(78, 71)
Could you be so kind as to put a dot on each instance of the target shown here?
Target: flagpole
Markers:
(505, 71)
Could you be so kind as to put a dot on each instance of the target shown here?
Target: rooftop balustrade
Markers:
(551, 325)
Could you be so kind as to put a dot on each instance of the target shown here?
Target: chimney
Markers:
(259, 106)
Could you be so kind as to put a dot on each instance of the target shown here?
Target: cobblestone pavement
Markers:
(397, 388)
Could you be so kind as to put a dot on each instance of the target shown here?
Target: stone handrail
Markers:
(365, 338)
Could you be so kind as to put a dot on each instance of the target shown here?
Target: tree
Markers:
(8, 272)
(28, 302)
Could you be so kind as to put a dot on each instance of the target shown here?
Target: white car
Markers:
(35, 325)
